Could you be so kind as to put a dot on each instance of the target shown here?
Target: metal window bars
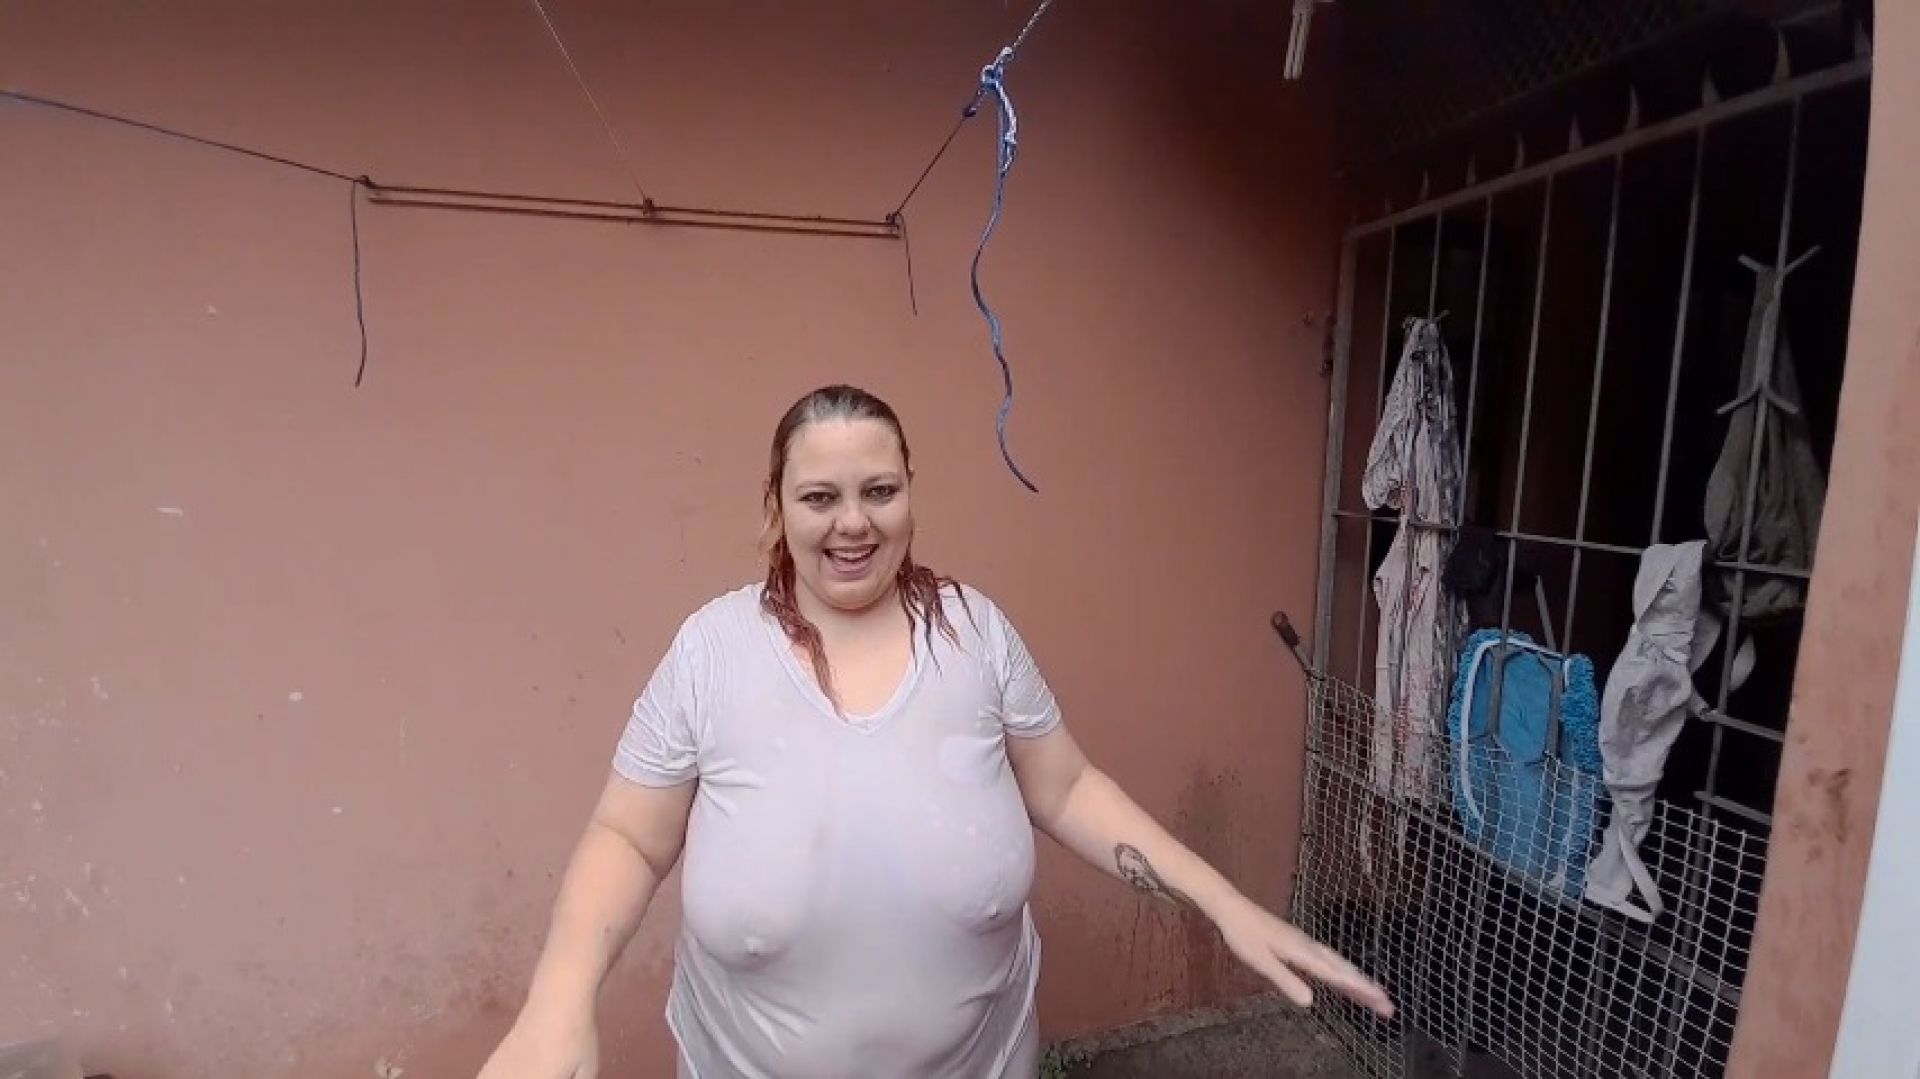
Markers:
(1500, 970)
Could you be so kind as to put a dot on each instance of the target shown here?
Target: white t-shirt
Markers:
(855, 889)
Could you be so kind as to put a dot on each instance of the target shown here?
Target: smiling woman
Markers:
(853, 757)
(839, 533)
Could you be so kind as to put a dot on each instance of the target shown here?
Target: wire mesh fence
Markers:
(1467, 902)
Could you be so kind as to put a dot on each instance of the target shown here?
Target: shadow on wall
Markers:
(1253, 144)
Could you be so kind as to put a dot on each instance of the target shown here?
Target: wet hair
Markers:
(918, 587)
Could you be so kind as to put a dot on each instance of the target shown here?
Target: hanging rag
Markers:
(1649, 695)
(1414, 466)
(1768, 431)
(1526, 770)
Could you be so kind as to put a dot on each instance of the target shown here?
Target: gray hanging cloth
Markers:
(1768, 424)
(1648, 697)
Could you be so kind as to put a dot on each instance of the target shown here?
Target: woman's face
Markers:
(844, 511)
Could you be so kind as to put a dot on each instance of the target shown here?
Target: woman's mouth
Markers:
(851, 563)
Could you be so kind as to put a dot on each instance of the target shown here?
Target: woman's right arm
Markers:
(630, 845)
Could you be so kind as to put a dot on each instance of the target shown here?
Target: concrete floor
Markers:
(1259, 1039)
(1273, 1046)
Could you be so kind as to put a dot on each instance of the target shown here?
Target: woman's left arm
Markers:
(1086, 812)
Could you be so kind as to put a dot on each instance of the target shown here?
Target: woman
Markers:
(853, 756)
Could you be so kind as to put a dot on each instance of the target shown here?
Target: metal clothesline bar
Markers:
(1563, 541)
(552, 206)
(1707, 116)
(644, 213)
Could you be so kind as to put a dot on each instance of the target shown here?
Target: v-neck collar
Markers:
(809, 688)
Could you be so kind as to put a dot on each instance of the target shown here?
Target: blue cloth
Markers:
(993, 81)
(1527, 783)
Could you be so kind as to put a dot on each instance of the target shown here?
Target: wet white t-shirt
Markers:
(855, 888)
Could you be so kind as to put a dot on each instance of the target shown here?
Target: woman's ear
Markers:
(773, 526)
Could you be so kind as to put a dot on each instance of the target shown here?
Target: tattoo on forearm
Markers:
(1137, 871)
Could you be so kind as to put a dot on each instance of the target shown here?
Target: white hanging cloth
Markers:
(1414, 466)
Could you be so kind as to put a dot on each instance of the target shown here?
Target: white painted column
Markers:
(1880, 1027)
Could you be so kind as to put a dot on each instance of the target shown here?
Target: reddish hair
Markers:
(918, 587)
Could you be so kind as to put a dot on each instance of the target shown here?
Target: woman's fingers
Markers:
(1268, 963)
(1291, 960)
(1328, 966)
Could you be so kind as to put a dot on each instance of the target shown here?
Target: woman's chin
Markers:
(850, 591)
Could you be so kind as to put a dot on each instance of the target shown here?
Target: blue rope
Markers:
(993, 81)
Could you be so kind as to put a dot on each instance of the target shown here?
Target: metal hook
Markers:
(1762, 387)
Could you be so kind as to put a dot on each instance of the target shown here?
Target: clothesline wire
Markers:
(606, 125)
(906, 243)
(359, 297)
(172, 133)
(354, 184)
(417, 196)
(990, 83)
(952, 134)
(972, 108)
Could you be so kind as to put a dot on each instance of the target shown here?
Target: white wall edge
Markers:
(1880, 1026)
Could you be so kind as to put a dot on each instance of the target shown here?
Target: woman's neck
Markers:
(832, 621)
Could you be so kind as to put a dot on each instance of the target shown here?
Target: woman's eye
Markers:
(882, 493)
(816, 498)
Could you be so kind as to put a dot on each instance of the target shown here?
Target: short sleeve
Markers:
(1027, 705)
(660, 746)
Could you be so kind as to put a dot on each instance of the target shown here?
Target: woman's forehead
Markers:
(835, 448)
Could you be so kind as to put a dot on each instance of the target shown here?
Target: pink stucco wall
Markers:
(305, 690)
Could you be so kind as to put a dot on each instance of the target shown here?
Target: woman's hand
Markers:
(1288, 958)
(547, 1046)
(1081, 807)
(629, 846)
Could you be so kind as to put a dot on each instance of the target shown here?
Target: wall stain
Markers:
(1833, 790)
(1204, 820)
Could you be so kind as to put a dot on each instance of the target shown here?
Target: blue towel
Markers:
(1528, 785)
